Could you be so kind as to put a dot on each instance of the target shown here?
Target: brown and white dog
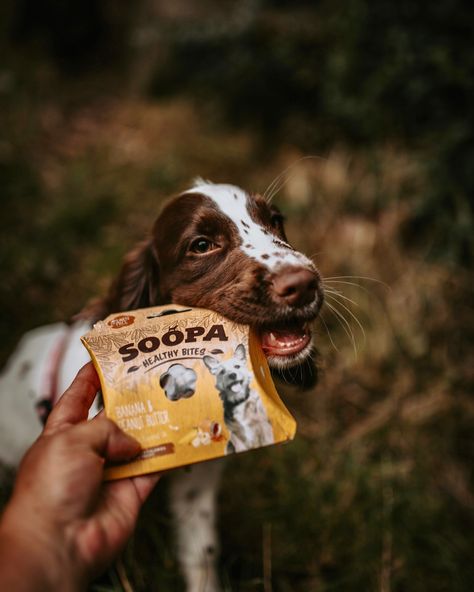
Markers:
(214, 246)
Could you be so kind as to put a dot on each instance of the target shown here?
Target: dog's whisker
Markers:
(334, 299)
(299, 371)
(292, 376)
(278, 187)
(328, 332)
(269, 192)
(336, 293)
(283, 180)
(342, 321)
(357, 277)
(276, 180)
(346, 326)
(331, 282)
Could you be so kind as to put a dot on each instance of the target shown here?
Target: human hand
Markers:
(61, 512)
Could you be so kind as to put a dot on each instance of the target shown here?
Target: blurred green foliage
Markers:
(53, 232)
(306, 73)
(360, 71)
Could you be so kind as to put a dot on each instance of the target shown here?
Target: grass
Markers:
(376, 491)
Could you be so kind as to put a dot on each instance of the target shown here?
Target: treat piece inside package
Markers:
(188, 384)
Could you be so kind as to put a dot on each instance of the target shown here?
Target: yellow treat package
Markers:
(188, 384)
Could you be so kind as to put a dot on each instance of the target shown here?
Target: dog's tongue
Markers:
(284, 342)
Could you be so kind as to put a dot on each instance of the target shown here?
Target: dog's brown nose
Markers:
(295, 286)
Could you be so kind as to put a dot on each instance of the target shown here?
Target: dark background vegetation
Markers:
(107, 107)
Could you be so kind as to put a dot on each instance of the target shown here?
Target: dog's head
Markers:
(218, 247)
(232, 376)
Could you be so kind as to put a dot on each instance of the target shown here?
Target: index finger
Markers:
(74, 405)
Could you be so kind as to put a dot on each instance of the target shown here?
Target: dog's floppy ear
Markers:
(211, 363)
(136, 286)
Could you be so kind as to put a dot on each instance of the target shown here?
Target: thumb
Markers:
(107, 439)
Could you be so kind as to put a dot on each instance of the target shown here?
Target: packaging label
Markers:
(188, 384)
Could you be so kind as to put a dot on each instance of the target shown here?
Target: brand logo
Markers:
(121, 321)
(171, 338)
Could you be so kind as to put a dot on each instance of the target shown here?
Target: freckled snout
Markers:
(295, 286)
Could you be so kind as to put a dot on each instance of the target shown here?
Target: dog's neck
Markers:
(230, 406)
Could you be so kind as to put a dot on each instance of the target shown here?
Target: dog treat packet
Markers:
(188, 384)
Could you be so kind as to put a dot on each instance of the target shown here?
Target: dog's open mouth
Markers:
(284, 341)
(236, 386)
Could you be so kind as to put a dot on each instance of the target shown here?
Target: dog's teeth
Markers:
(290, 344)
(286, 343)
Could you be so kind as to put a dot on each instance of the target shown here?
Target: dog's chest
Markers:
(246, 420)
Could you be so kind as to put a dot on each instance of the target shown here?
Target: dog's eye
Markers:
(202, 245)
(276, 220)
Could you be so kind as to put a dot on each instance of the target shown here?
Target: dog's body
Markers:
(215, 247)
(40, 370)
